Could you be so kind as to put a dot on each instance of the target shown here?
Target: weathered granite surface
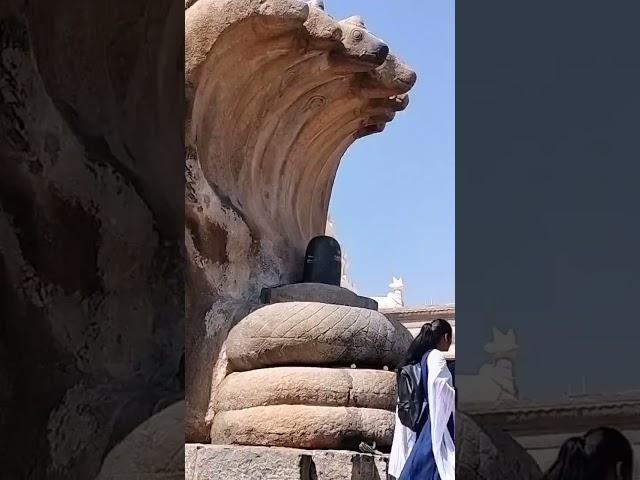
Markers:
(221, 462)
(316, 292)
(307, 333)
(91, 229)
(335, 387)
(154, 450)
(302, 426)
(263, 146)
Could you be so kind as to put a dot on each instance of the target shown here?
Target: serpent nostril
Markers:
(412, 78)
(382, 54)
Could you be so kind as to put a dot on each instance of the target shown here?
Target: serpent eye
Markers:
(357, 35)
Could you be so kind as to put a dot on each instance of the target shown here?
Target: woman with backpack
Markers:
(426, 406)
(601, 454)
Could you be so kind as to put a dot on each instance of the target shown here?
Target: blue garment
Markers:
(421, 464)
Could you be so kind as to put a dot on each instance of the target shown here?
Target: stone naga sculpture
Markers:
(276, 92)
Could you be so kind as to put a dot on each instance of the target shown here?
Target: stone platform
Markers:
(231, 462)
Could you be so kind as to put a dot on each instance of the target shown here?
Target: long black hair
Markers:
(430, 335)
(593, 456)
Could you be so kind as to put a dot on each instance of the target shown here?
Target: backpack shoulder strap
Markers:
(424, 374)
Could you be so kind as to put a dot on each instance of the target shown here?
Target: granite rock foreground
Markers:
(91, 228)
(154, 450)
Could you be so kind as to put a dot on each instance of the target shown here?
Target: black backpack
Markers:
(413, 409)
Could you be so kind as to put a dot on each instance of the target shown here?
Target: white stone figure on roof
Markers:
(393, 299)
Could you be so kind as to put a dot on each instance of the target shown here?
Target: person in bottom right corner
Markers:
(602, 453)
(433, 455)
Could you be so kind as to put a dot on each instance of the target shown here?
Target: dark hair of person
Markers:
(430, 335)
(593, 456)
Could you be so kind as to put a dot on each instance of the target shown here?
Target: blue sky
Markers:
(393, 200)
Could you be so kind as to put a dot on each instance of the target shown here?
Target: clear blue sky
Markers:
(393, 200)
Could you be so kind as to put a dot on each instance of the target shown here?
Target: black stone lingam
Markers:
(323, 261)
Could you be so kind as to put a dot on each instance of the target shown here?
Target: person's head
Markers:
(601, 454)
(433, 335)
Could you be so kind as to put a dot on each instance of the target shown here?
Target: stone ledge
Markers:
(316, 292)
(230, 462)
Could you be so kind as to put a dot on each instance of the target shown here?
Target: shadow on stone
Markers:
(364, 468)
(308, 468)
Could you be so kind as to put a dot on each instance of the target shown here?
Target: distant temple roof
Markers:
(527, 417)
(414, 317)
(445, 311)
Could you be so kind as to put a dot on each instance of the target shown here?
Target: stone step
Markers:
(231, 462)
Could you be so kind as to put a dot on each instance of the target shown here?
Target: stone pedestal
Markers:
(225, 462)
(291, 379)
